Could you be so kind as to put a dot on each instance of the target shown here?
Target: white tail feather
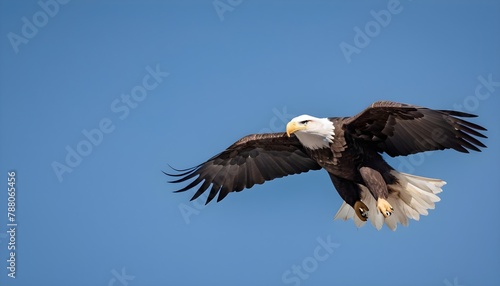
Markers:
(410, 197)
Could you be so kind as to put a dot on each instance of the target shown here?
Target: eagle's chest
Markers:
(339, 159)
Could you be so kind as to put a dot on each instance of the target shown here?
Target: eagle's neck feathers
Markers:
(319, 134)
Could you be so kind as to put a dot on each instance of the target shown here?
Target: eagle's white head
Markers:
(312, 132)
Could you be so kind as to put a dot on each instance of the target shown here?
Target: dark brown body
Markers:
(350, 163)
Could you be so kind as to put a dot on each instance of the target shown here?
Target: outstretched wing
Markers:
(251, 160)
(403, 129)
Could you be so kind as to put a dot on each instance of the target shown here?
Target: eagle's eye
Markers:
(304, 122)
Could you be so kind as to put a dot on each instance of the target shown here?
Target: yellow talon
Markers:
(384, 207)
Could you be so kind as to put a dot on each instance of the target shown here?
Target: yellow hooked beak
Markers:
(293, 127)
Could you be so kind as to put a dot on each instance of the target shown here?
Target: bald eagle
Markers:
(350, 150)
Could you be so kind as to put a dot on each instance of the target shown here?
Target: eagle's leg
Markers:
(351, 194)
(377, 186)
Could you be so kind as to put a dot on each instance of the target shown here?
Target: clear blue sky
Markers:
(202, 75)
